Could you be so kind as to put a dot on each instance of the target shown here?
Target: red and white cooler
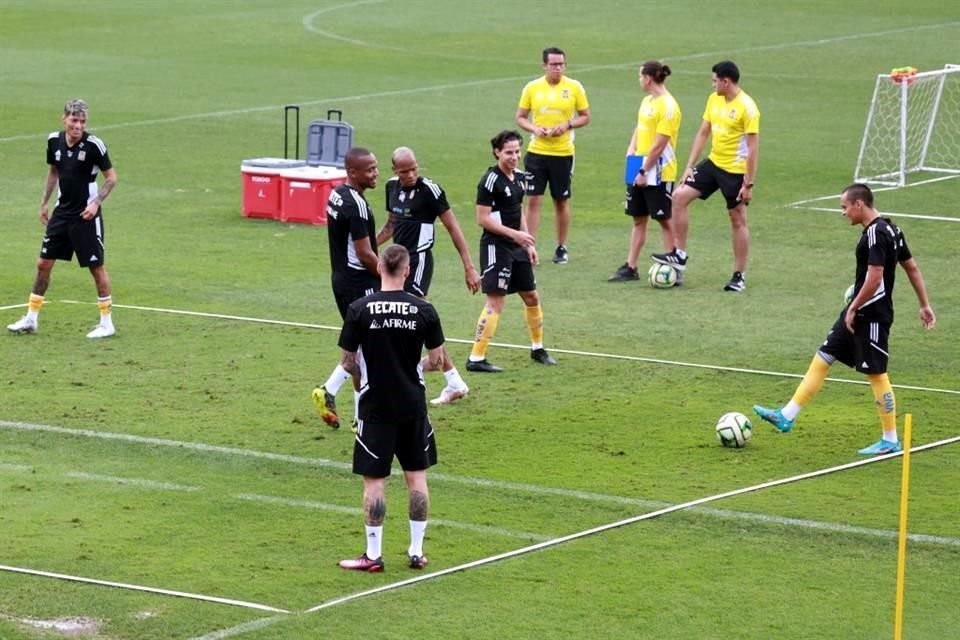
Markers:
(304, 192)
(262, 185)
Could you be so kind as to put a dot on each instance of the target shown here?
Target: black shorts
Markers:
(346, 294)
(708, 177)
(655, 201)
(66, 236)
(505, 268)
(421, 274)
(555, 170)
(376, 443)
(866, 349)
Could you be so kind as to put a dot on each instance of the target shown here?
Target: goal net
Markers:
(913, 127)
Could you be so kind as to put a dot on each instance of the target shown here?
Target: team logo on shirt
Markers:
(403, 196)
(81, 155)
(56, 156)
(565, 94)
(733, 114)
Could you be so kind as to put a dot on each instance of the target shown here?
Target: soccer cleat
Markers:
(540, 355)
(326, 406)
(23, 325)
(102, 331)
(774, 417)
(736, 284)
(881, 448)
(418, 562)
(363, 563)
(671, 259)
(561, 255)
(624, 274)
(482, 366)
(679, 282)
(355, 426)
(450, 394)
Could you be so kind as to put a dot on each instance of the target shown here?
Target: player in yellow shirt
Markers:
(654, 138)
(732, 121)
(550, 108)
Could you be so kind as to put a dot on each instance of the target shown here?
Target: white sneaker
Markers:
(450, 394)
(23, 325)
(102, 331)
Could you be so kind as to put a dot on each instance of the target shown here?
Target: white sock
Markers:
(418, 528)
(106, 320)
(374, 540)
(791, 411)
(453, 379)
(536, 345)
(681, 254)
(32, 316)
(891, 436)
(336, 380)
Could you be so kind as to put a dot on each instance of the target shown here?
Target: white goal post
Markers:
(913, 128)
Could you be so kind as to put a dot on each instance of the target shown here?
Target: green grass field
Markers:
(184, 454)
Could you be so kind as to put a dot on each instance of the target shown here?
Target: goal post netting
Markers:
(913, 127)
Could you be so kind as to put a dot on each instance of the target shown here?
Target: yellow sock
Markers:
(812, 381)
(534, 316)
(886, 404)
(486, 327)
(34, 304)
(105, 304)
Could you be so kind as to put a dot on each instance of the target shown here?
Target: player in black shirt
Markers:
(414, 204)
(507, 252)
(859, 337)
(391, 328)
(75, 158)
(351, 231)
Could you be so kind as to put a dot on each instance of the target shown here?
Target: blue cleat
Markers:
(881, 448)
(774, 417)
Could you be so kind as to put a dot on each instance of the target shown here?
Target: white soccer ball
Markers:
(848, 294)
(662, 276)
(734, 430)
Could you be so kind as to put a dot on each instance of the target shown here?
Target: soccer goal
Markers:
(913, 128)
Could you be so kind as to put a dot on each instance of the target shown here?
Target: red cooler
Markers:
(261, 185)
(304, 193)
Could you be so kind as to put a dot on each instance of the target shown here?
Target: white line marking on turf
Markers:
(474, 83)
(323, 506)
(12, 306)
(137, 482)
(246, 627)
(893, 214)
(622, 523)
(499, 485)
(9, 466)
(593, 354)
(135, 587)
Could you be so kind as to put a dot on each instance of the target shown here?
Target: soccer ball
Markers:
(662, 276)
(734, 429)
(848, 294)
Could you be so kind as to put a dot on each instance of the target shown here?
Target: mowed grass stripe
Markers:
(586, 496)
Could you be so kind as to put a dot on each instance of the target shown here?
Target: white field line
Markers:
(892, 214)
(9, 466)
(498, 485)
(593, 354)
(474, 83)
(622, 523)
(12, 306)
(265, 622)
(136, 587)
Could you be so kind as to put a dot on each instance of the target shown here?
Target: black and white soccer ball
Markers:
(734, 430)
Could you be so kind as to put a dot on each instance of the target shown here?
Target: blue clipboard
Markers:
(632, 168)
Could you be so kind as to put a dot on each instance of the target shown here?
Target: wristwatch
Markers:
(749, 186)
(642, 171)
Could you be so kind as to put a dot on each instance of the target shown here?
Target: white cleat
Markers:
(23, 325)
(101, 331)
(450, 394)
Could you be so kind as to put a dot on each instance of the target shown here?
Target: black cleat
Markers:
(418, 562)
(624, 274)
(561, 255)
(736, 284)
(482, 366)
(540, 355)
(671, 259)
